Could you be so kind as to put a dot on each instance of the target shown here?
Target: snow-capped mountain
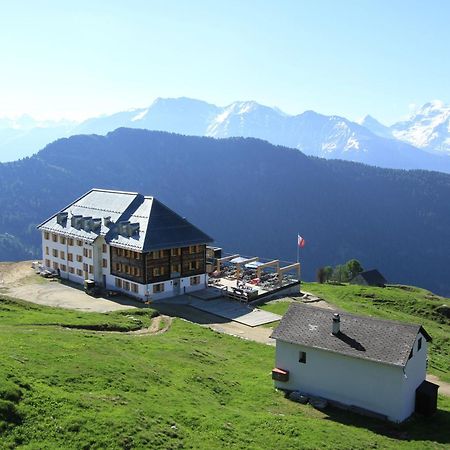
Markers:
(427, 128)
(314, 134)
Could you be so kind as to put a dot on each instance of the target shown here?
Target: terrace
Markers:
(249, 279)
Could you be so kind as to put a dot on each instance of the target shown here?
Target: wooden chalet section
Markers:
(158, 265)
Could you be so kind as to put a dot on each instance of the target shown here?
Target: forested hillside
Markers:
(251, 196)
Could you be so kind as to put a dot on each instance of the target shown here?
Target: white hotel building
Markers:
(127, 242)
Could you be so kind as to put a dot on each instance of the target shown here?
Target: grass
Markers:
(20, 313)
(187, 388)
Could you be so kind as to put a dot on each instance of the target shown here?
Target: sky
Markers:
(345, 57)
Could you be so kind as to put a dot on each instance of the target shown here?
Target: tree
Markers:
(353, 267)
(321, 276)
(328, 273)
(340, 273)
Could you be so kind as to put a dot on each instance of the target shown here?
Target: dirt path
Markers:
(155, 326)
(19, 280)
(444, 388)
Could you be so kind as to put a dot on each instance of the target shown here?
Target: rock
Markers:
(444, 310)
(298, 397)
(318, 402)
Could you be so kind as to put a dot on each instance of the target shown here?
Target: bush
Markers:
(10, 392)
(9, 412)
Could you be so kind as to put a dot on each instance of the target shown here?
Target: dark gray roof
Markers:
(378, 340)
(372, 277)
(159, 226)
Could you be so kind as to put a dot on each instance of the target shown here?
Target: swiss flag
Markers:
(300, 241)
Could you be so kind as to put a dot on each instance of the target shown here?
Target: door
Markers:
(176, 287)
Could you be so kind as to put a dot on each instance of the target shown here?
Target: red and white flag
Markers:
(300, 241)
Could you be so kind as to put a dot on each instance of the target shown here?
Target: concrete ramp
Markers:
(238, 312)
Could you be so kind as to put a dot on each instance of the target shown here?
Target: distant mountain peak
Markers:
(375, 126)
(428, 128)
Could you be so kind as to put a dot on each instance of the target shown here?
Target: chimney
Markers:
(336, 324)
(107, 221)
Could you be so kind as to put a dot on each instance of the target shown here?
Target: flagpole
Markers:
(298, 249)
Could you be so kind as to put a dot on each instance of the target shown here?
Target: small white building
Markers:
(371, 364)
(127, 242)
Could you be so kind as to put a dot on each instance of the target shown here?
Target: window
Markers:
(55, 253)
(157, 254)
(126, 285)
(193, 265)
(176, 268)
(79, 272)
(104, 262)
(302, 357)
(63, 268)
(79, 243)
(137, 255)
(91, 269)
(85, 267)
(158, 271)
(46, 251)
(47, 263)
(419, 344)
(175, 252)
(69, 257)
(192, 249)
(134, 288)
(46, 235)
(104, 248)
(195, 280)
(117, 265)
(137, 272)
(62, 255)
(55, 265)
(79, 258)
(118, 283)
(54, 237)
(158, 288)
(62, 239)
(128, 253)
(70, 241)
(71, 270)
(90, 253)
(85, 252)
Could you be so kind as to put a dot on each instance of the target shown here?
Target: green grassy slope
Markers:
(187, 388)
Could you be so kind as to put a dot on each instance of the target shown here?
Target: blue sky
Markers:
(84, 58)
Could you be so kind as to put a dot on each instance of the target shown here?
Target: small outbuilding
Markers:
(369, 278)
(368, 364)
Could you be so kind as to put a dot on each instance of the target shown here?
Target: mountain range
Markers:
(421, 142)
(251, 196)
